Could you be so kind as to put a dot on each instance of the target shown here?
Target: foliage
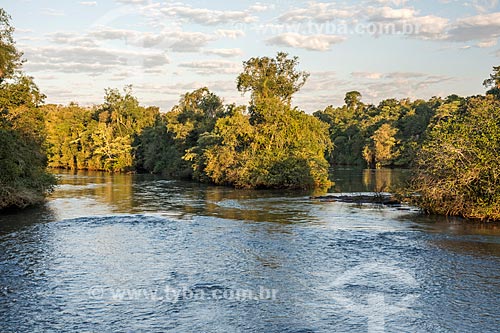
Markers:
(458, 170)
(379, 152)
(274, 146)
(270, 78)
(100, 138)
(270, 144)
(23, 177)
(10, 57)
(23, 180)
(493, 82)
(195, 115)
(388, 134)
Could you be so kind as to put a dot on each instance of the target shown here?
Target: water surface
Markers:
(136, 253)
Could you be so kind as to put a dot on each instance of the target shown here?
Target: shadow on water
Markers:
(13, 220)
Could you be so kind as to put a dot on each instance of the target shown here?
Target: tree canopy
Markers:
(271, 78)
(10, 57)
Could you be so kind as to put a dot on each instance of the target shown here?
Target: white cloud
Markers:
(366, 75)
(487, 43)
(397, 3)
(260, 7)
(174, 40)
(406, 21)
(88, 3)
(205, 16)
(132, 2)
(225, 52)
(71, 39)
(233, 34)
(377, 14)
(318, 12)
(403, 75)
(483, 27)
(430, 27)
(308, 42)
(484, 6)
(78, 59)
(212, 67)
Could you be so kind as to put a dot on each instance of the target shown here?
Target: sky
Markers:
(381, 48)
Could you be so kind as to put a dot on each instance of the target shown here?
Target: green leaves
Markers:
(271, 78)
(23, 177)
(10, 57)
(458, 170)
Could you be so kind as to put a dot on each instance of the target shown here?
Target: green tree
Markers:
(10, 57)
(195, 115)
(273, 147)
(23, 177)
(458, 170)
(380, 151)
(99, 138)
(493, 82)
(270, 78)
(353, 100)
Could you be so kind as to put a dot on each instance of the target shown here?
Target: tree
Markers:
(10, 57)
(457, 169)
(353, 99)
(380, 151)
(276, 146)
(23, 177)
(195, 115)
(493, 82)
(271, 78)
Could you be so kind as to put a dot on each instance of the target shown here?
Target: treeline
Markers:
(270, 144)
(452, 144)
(99, 138)
(385, 135)
(457, 169)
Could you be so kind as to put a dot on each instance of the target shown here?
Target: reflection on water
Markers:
(368, 180)
(109, 252)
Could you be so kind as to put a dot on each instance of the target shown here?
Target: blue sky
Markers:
(382, 48)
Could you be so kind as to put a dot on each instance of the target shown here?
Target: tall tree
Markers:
(276, 146)
(10, 57)
(271, 78)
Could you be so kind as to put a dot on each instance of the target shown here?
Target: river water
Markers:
(137, 253)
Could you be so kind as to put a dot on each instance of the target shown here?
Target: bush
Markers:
(23, 179)
(458, 169)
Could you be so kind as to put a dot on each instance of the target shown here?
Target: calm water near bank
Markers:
(138, 253)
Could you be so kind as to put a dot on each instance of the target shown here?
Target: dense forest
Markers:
(452, 143)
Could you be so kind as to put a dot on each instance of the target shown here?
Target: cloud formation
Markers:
(308, 42)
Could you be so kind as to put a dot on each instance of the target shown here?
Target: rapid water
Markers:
(132, 253)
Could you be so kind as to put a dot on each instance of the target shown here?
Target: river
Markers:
(138, 253)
